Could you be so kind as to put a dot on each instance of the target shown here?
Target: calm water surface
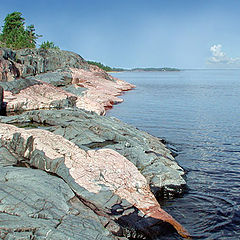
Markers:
(198, 112)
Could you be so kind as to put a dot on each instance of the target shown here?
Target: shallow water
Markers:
(198, 112)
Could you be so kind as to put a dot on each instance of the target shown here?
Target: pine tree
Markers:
(14, 34)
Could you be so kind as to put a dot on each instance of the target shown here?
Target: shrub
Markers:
(48, 45)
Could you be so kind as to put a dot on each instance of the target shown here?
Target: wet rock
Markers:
(102, 178)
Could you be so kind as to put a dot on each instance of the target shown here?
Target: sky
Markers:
(139, 33)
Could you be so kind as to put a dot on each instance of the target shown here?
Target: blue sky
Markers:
(137, 33)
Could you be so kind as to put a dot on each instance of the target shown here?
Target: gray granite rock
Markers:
(30, 62)
(17, 85)
(61, 78)
(9, 68)
(43, 150)
(7, 53)
(91, 131)
(36, 205)
(37, 61)
(57, 78)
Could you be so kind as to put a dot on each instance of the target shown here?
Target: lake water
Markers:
(198, 112)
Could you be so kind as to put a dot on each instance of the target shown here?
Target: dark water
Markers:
(198, 112)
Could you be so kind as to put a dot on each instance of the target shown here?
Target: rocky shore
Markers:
(67, 171)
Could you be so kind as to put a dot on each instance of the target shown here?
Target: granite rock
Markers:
(102, 89)
(90, 131)
(102, 178)
(70, 173)
(28, 94)
(36, 61)
(36, 205)
(93, 89)
(9, 68)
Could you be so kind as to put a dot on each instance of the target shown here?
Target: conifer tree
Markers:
(15, 35)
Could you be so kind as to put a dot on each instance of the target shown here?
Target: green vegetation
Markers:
(100, 65)
(106, 68)
(15, 35)
(48, 45)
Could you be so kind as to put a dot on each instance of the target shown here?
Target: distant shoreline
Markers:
(146, 70)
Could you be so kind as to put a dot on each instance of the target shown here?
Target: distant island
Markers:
(164, 69)
(112, 69)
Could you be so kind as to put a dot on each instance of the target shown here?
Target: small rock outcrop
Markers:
(30, 62)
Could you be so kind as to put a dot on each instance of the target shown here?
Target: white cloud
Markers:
(219, 57)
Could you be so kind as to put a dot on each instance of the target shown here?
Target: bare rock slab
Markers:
(101, 178)
(36, 205)
(92, 132)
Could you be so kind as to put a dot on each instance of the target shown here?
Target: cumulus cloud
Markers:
(219, 57)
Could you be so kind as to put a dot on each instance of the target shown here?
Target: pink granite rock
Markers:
(102, 89)
(38, 96)
(86, 171)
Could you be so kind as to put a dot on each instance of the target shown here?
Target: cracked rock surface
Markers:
(36, 205)
(90, 131)
(105, 181)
